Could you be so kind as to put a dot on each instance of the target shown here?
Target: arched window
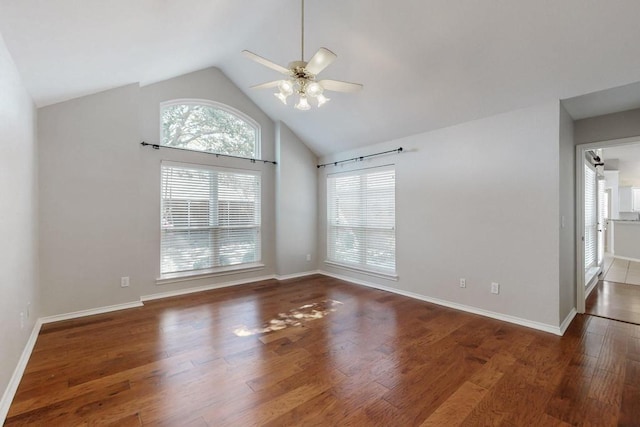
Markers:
(201, 125)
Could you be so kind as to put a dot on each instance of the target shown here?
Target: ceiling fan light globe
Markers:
(286, 87)
(303, 104)
(282, 97)
(314, 89)
(322, 100)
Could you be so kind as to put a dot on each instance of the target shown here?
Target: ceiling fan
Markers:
(301, 78)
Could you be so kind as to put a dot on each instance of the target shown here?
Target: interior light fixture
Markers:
(303, 104)
(301, 77)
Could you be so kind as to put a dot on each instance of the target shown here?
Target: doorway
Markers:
(608, 274)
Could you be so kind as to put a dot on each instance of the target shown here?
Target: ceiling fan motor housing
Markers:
(302, 77)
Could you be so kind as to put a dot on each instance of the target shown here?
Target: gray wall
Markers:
(89, 190)
(568, 211)
(100, 197)
(19, 219)
(480, 201)
(607, 127)
(297, 204)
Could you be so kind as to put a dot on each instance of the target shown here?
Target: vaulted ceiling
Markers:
(425, 64)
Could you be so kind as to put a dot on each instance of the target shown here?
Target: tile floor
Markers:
(622, 271)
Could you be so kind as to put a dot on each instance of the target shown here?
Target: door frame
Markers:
(581, 150)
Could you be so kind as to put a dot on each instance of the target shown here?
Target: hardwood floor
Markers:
(617, 301)
(378, 359)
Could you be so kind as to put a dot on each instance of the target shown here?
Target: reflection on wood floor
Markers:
(380, 359)
(617, 301)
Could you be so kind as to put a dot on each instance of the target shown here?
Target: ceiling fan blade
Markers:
(338, 86)
(260, 60)
(266, 85)
(321, 60)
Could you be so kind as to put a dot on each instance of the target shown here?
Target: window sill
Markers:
(212, 272)
(388, 276)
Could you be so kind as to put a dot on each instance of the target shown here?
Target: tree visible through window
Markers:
(208, 126)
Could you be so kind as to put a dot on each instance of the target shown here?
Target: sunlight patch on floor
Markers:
(294, 317)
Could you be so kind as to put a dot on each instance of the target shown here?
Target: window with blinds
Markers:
(361, 219)
(210, 218)
(590, 216)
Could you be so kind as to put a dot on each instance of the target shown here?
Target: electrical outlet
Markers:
(28, 310)
(463, 283)
(124, 282)
(495, 288)
(308, 257)
(21, 320)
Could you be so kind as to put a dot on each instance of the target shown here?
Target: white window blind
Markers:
(601, 218)
(210, 218)
(590, 216)
(361, 219)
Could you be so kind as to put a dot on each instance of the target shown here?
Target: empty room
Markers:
(319, 212)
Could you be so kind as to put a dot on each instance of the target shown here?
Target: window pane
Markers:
(210, 218)
(207, 128)
(238, 246)
(361, 219)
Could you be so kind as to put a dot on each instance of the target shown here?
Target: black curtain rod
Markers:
(157, 147)
(359, 159)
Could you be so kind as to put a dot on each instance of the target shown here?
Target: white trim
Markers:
(297, 275)
(203, 274)
(14, 381)
(91, 312)
(591, 286)
(580, 275)
(215, 168)
(388, 276)
(358, 171)
(179, 292)
(486, 313)
(567, 321)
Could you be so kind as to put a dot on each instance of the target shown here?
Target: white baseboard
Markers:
(297, 275)
(14, 381)
(203, 288)
(567, 321)
(90, 312)
(469, 309)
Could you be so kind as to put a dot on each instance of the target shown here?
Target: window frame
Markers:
(178, 276)
(359, 267)
(219, 106)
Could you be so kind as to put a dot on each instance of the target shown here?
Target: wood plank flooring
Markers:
(379, 359)
(617, 301)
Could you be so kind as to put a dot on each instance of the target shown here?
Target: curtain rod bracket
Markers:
(154, 146)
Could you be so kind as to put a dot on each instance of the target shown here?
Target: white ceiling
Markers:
(425, 64)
